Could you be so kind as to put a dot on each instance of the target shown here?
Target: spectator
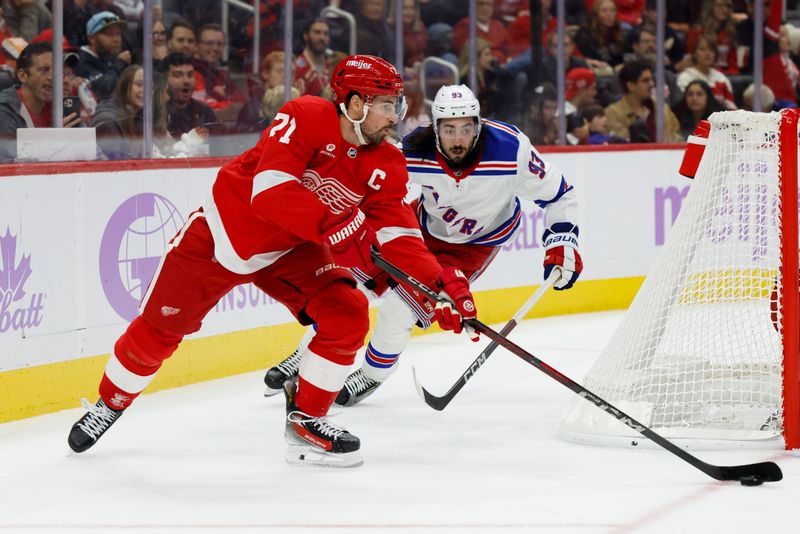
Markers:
(184, 113)
(415, 34)
(272, 102)
(767, 98)
(698, 103)
(439, 12)
(214, 85)
(629, 12)
(717, 20)
(102, 61)
(580, 89)
(416, 114)
(519, 30)
(119, 120)
(313, 64)
(704, 56)
(781, 73)
(440, 42)
(28, 105)
(601, 42)
(598, 128)
(539, 119)
(159, 37)
(252, 118)
(181, 38)
(643, 45)
(633, 117)
(549, 61)
(674, 42)
(25, 18)
(577, 129)
(490, 30)
(745, 34)
(373, 35)
(486, 75)
(77, 14)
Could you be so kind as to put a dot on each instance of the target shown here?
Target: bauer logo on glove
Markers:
(561, 252)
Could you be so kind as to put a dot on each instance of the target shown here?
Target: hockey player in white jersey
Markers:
(472, 173)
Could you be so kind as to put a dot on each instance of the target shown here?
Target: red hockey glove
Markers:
(561, 252)
(350, 240)
(695, 146)
(460, 305)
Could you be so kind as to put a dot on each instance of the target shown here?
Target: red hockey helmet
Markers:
(366, 75)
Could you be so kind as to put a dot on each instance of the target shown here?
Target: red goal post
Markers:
(708, 352)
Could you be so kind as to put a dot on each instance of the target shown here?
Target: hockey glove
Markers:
(350, 240)
(561, 252)
(459, 304)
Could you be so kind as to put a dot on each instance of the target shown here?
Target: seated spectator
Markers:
(29, 104)
(313, 64)
(103, 60)
(119, 120)
(704, 56)
(77, 14)
(519, 30)
(181, 38)
(633, 117)
(781, 73)
(745, 34)
(214, 85)
(549, 58)
(440, 43)
(767, 98)
(373, 35)
(601, 42)
(629, 12)
(486, 75)
(439, 12)
(697, 104)
(717, 20)
(272, 102)
(577, 129)
(598, 128)
(674, 42)
(490, 30)
(643, 47)
(184, 113)
(539, 121)
(273, 74)
(580, 90)
(25, 18)
(415, 34)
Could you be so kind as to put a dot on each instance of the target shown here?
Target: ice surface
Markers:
(209, 458)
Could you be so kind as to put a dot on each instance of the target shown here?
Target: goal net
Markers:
(707, 352)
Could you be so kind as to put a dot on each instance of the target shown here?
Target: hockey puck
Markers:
(751, 480)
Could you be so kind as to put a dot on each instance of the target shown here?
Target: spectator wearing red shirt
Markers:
(214, 85)
(313, 64)
(704, 56)
(488, 29)
(780, 72)
(520, 29)
(717, 19)
(415, 34)
(629, 12)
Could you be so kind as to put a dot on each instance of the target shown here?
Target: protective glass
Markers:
(389, 108)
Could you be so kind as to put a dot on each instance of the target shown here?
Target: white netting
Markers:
(697, 355)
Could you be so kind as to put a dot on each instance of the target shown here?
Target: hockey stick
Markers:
(750, 474)
(439, 403)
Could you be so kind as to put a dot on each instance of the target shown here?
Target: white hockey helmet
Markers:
(455, 101)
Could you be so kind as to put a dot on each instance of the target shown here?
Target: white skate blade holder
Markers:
(308, 455)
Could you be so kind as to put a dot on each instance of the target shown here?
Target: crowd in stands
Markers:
(609, 56)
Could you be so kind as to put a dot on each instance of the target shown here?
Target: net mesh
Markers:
(698, 354)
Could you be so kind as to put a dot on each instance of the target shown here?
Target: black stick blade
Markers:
(437, 403)
(765, 471)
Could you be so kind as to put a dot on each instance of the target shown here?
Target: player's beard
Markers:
(459, 157)
(375, 138)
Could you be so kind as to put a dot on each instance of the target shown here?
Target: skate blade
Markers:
(269, 392)
(308, 455)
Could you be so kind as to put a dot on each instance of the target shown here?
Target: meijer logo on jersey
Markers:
(16, 312)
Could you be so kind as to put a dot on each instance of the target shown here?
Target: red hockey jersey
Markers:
(299, 180)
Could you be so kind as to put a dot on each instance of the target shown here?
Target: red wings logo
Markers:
(332, 193)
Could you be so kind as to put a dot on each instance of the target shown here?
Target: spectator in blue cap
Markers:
(103, 60)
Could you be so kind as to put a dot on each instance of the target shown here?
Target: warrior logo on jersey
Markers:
(332, 193)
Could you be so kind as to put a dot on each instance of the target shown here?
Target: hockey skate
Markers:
(315, 441)
(357, 387)
(91, 426)
(285, 370)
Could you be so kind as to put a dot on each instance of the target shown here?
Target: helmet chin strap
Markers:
(356, 123)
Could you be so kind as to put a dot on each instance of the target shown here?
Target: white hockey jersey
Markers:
(480, 205)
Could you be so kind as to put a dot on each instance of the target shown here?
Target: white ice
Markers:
(209, 458)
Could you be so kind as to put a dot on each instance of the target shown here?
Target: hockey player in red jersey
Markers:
(319, 189)
(473, 173)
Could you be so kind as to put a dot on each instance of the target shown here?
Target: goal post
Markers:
(707, 354)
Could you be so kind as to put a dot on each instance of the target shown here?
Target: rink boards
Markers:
(79, 242)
